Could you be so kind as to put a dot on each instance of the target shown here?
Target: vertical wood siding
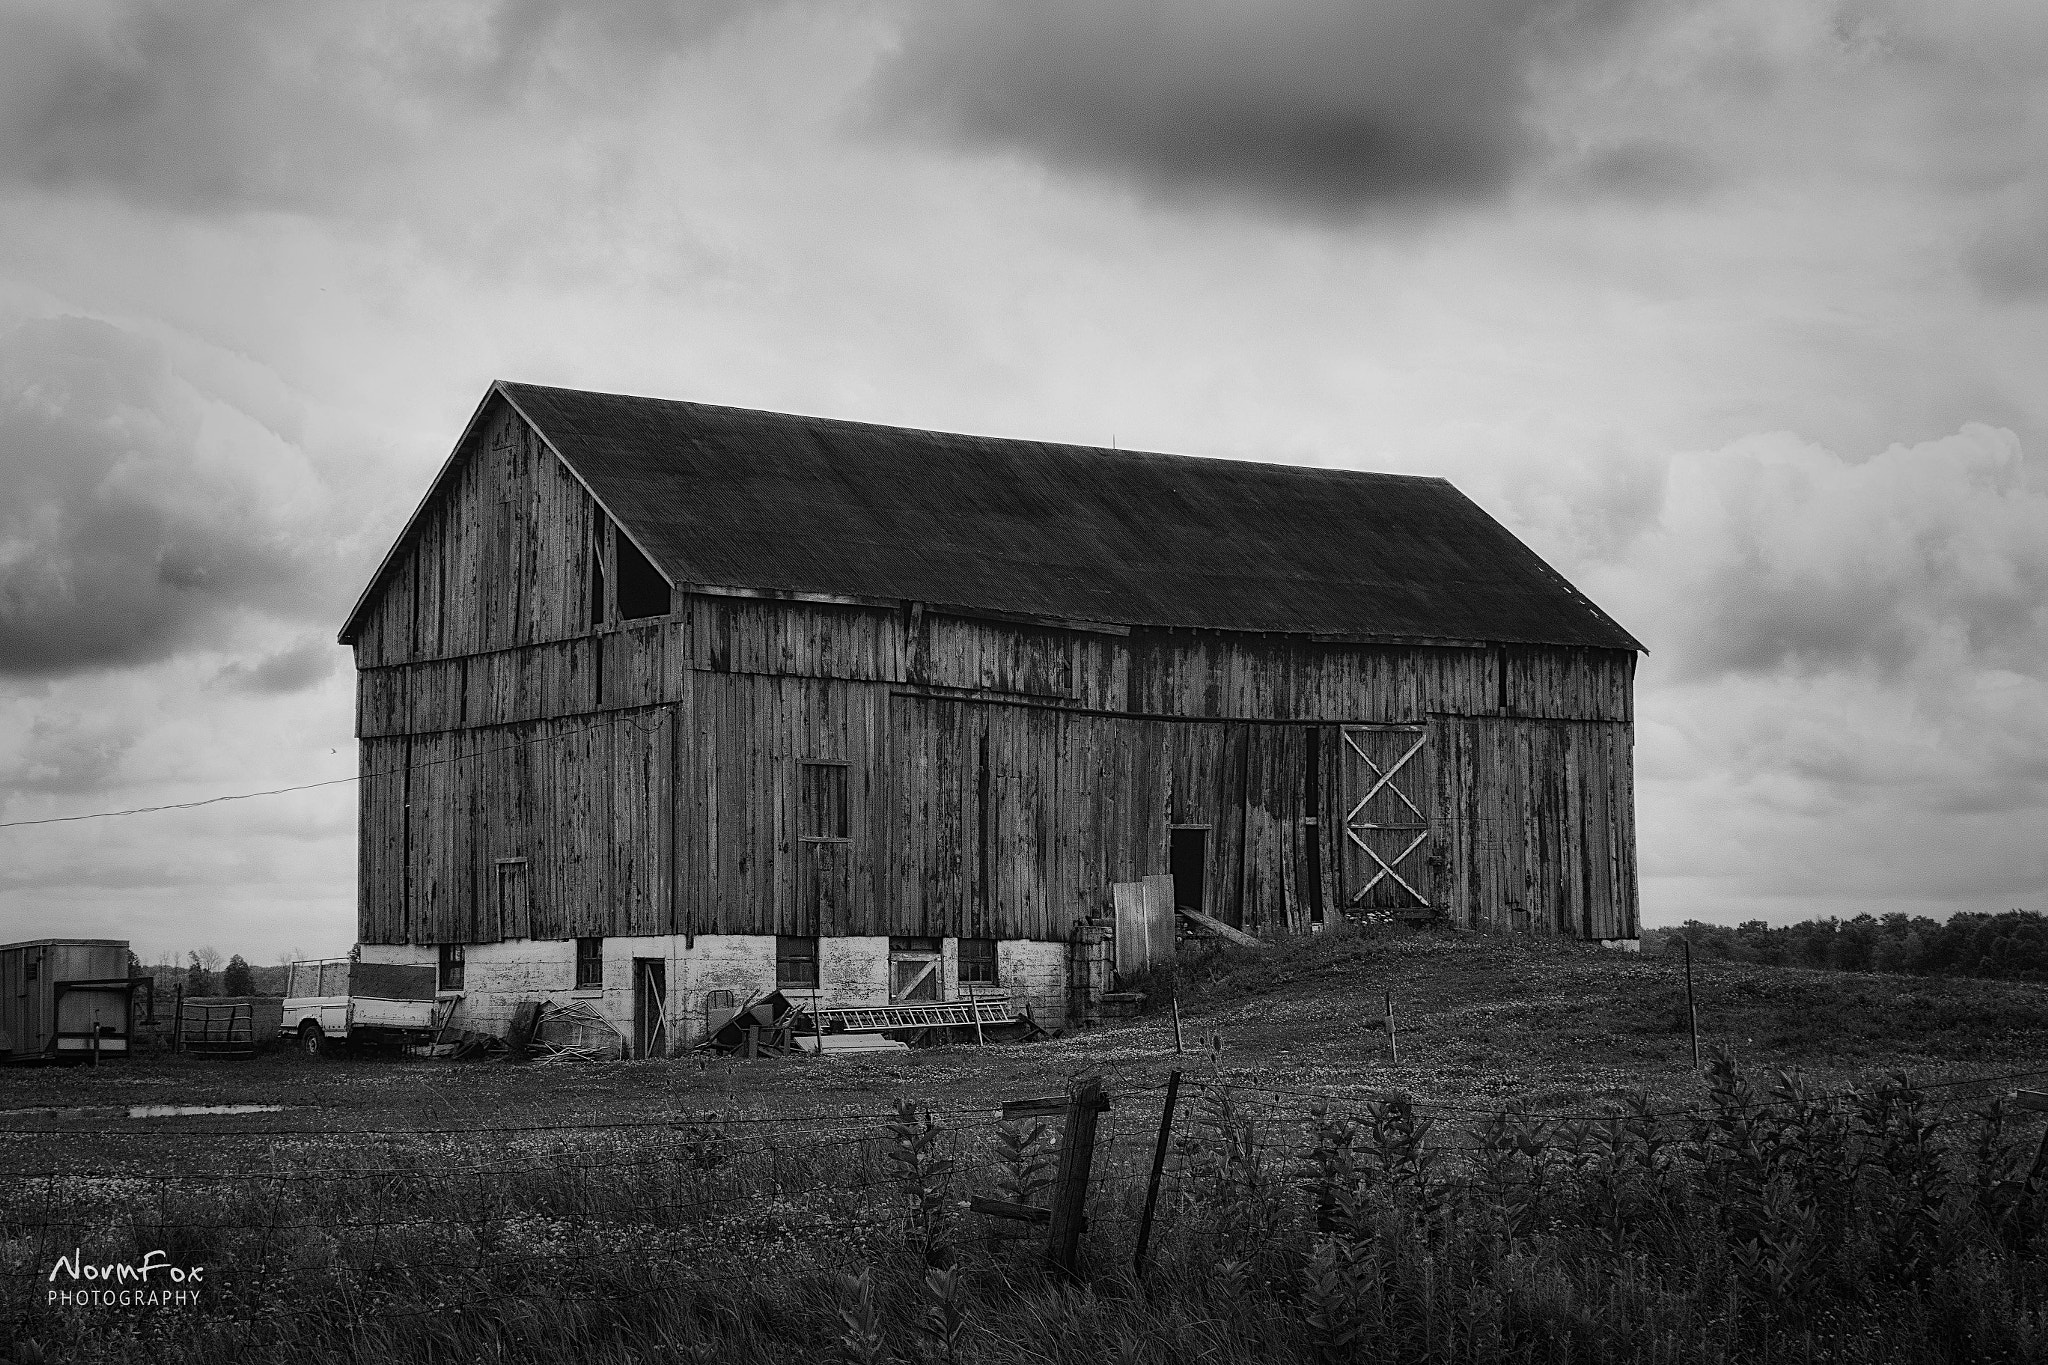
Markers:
(500, 559)
(650, 773)
(1539, 825)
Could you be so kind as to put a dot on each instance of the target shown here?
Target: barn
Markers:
(658, 699)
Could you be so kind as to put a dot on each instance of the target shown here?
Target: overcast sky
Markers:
(1736, 310)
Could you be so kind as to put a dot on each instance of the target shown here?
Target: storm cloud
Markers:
(230, 105)
(1327, 103)
(137, 521)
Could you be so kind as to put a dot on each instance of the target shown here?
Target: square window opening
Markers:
(796, 962)
(589, 964)
(451, 967)
(978, 962)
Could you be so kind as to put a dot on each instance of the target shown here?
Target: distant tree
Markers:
(237, 979)
(198, 979)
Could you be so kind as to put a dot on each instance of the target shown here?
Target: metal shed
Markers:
(60, 996)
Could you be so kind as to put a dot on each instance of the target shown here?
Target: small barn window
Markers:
(796, 961)
(643, 592)
(451, 966)
(978, 961)
(824, 797)
(589, 964)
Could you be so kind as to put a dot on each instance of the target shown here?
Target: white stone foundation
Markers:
(498, 977)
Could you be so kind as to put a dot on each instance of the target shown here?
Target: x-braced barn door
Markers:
(1385, 793)
(650, 1007)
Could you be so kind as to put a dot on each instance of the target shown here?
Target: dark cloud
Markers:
(255, 104)
(131, 529)
(292, 669)
(1328, 103)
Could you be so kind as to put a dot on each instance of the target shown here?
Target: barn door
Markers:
(1384, 789)
(650, 1007)
(914, 970)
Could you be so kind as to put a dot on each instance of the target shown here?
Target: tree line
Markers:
(2012, 946)
(203, 972)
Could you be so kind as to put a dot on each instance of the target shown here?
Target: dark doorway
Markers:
(1188, 861)
(650, 1007)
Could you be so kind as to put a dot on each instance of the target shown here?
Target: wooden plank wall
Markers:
(585, 801)
(746, 868)
(1539, 825)
(967, 817)
(500, 559)
(1014, 821)
(479, 670)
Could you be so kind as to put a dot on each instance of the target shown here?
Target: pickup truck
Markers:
(335, 1001)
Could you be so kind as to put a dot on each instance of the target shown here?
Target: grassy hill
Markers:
(1483, 1018)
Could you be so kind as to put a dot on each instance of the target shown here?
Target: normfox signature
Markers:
(119, 1284)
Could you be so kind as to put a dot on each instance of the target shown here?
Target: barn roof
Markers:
(810, 506)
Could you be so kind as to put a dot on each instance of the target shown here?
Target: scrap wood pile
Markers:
(770, 1025)
(550, 1030)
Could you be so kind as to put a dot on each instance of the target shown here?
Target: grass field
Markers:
(1321, 1201)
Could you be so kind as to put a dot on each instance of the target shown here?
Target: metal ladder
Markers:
(939, 1015)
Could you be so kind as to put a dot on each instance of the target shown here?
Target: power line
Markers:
(178, 805)
(625, 718)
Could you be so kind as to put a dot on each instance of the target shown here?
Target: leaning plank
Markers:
(1220, 929)
(1003, 1208)
(1054, 1104)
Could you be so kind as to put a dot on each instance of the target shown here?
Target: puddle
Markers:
(141, 1111)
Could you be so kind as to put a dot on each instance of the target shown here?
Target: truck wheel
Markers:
(312, 1040)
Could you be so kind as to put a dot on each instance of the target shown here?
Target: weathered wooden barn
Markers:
(658, 698)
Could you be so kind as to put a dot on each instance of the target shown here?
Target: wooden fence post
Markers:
(1070, 1185)
(178, 1022)
(1158, 1165)
(1692, 1013)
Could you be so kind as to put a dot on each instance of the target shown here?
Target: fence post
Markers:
(1070, 1185)
(1158, 1165)
(178, 1022)
(1692, 1013)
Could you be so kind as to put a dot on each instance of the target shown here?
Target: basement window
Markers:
(589, 964)
(978, 961)
(643, 592)
(451, 966)
(796, 961)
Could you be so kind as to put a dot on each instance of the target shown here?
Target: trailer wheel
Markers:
(312, 1040)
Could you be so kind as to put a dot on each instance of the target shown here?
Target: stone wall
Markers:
(852, 972)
